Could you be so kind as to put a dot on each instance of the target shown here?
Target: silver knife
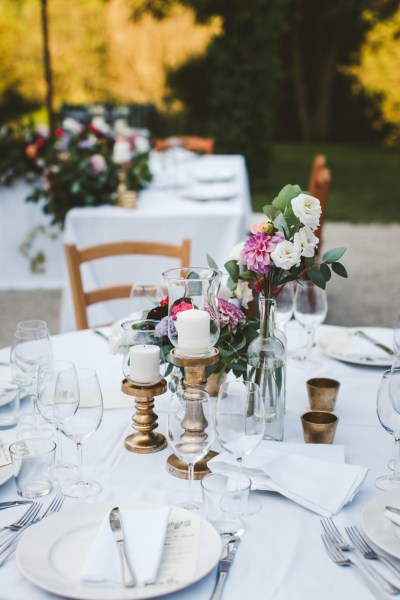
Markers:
(14, 503)
(128, 576)
(392, 509)
(223, 568)
(375, 342)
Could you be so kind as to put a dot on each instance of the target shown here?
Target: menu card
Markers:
(181, 551)
(5, 458)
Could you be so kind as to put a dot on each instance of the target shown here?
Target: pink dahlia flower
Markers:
(230, 316)
(256, 251)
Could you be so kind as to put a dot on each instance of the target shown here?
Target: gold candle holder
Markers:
(126, 198)
(145, 441)
(194, 420)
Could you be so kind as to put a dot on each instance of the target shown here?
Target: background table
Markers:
(281, 556)
(163, 215)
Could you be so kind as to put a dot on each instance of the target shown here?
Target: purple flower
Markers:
(256, 251)
(230, 316)
(85, 144)
(162, 327)
(98, 163)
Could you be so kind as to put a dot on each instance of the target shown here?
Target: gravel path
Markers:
(371, 295)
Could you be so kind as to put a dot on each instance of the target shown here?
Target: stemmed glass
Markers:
(188, 413)
(81, 426)
(144, 296)
(396, 337)
(390, 420)
(310, 310)
(30, 350)
(59, 384)
(284, 306)
(240, 421)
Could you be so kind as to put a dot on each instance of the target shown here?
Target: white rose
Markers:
(142, 144)
(307, 240)
(236, 253)
(244, 293)
(287, 254)
(307, 209)
(224, 292)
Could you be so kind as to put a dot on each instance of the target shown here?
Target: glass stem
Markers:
(396, 470)
(310, 342)
(80, 461)
(33, 402)
(59, 452)
(239, 460)
(190, 480)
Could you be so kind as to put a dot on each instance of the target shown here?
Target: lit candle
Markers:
(193, 327)
(144, 364)
(121, 152)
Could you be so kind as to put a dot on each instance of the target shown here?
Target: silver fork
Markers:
(334, 534)
(8, 547)
(29, 514)
(343, 560)
(369, 553)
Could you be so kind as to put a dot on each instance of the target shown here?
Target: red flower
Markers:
(92, 128)
(39, 142)
(164, 301)
(59, 132)
(180, 307)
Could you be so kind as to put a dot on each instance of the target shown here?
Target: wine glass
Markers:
(240, 421)
(390, 420)
(143, 297)
(284, 305)
(30, 350)
(310, 309)
(396, 337)
(59, 383)
(81, 426)
(190, 432)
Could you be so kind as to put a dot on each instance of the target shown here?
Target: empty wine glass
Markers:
(240, 421)
(81, 426)
(284, 305)
(310, 310)
(143, 297)
(396, 337)
(30, 350)
(390, 420)
(59, 384)
(190, 432)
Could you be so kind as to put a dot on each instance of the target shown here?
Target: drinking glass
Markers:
(240, 422)
(81, 426)
(284, 306)
(30, 350)
(59, 384)
(396, 337)
(190, 432)
(389, 418)
(143, 297)
(310, 309)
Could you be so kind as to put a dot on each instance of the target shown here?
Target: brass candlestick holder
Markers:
(195, 422)
(145, 441)
(126, 198)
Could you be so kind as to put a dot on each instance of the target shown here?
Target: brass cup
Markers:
(319, 426)
(322, 393)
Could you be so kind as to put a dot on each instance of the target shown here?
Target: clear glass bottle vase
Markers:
(266, 358)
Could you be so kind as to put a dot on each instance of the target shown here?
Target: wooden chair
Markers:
(193, 143)
(82, 299)
(318, 186)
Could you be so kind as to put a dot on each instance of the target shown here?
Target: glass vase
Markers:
(266, 358)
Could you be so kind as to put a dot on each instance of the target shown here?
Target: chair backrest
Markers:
(320, 189)
(75, 257)
(189, 142)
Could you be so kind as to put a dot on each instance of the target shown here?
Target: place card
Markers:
(5, 457)
(180, 554)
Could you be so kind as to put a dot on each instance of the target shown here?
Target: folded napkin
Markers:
(144, 531)
(312, 475)
(392, 517)
(347, 344)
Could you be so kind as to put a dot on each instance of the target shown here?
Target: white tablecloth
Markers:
(17, 219)
(281, 556)
(163, 215)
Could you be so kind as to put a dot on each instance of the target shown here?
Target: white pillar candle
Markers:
(121, 152)
(144, 366)
(193, 327)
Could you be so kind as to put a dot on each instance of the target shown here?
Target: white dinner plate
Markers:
(206, 193)
(6, 473)
(212, 175)
(343, 345)
(383, 532)
(51, 554)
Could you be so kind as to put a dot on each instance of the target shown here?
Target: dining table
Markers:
(281, 555)
(203, 198)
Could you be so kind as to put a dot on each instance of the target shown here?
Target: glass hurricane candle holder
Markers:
(144, 360)
(193, 321)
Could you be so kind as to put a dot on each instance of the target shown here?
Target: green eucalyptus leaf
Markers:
(326, 272)
(280, 223)
(316, 276)
(233, 269)
(246, 275)
(339, 269)
(211, 262)
(333, 255)
(270, 211)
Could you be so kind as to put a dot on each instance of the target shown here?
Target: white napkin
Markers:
(346, 343)
(392, 517)
(312, 475)
(144, 531)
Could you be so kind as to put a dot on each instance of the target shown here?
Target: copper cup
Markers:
(322, 393)
(319, 426)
